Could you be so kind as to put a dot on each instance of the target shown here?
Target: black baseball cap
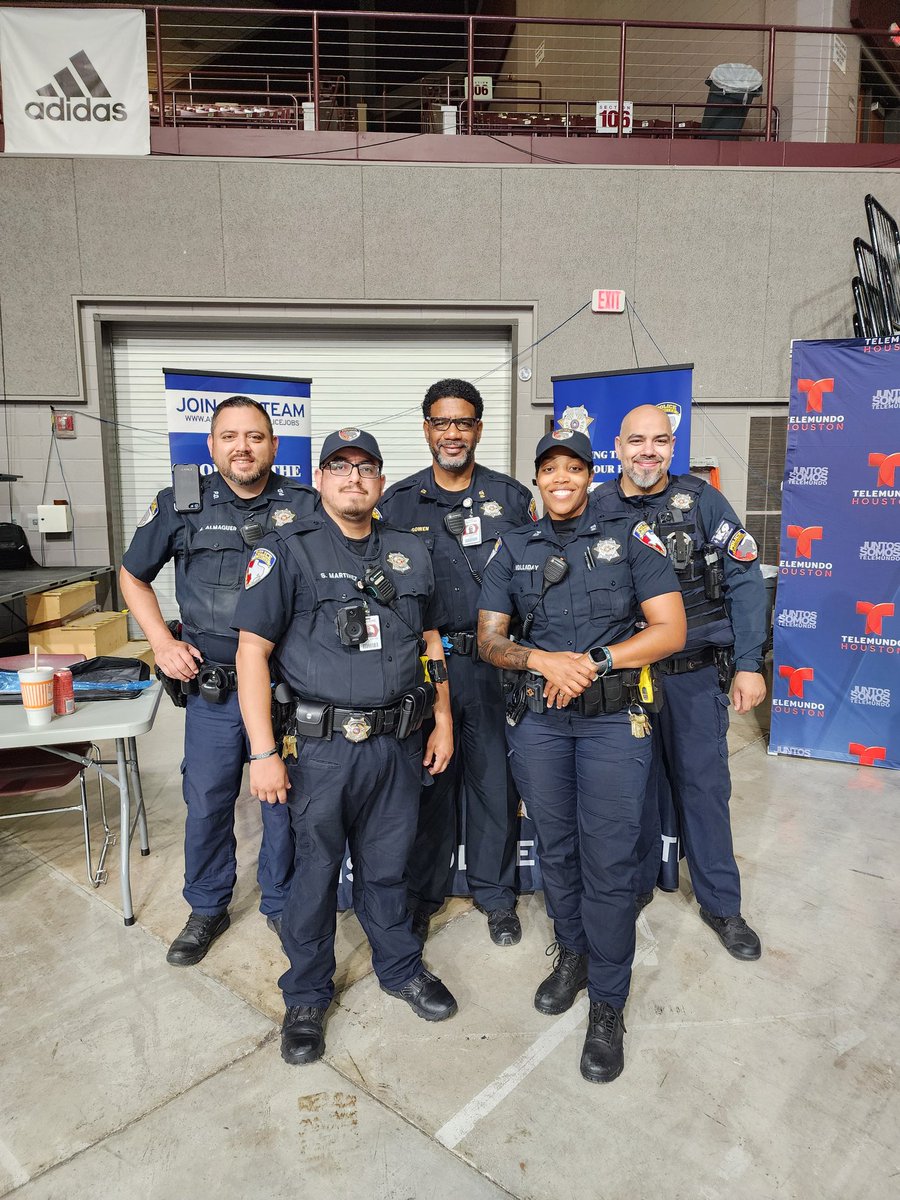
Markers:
(350, 438)
(567, 440)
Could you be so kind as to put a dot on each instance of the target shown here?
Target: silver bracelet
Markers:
(268, 754)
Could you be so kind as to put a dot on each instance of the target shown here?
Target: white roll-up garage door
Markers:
(370, 377)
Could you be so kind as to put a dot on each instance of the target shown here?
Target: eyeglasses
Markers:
(341, 466)
(463, 424)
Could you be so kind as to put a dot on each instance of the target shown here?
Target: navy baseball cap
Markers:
(567, 440)
(350, 438)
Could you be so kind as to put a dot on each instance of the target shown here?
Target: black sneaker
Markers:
(603, 1057)
(426, 996)
(735, 935)
(504, 927)
(569, 975)
(640, 902)
(302, 1037)
(196, 938)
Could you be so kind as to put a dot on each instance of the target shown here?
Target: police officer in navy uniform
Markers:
(579, 583)
(478, 504)
(344, 607)
(715, 559)
(240, 502)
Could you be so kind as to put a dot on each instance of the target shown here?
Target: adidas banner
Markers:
(191, 400)
(74, 81)
(836, 687)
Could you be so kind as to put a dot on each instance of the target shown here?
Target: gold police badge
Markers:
(682, 500)
(283, 516)
(356, 728)
(398, 561)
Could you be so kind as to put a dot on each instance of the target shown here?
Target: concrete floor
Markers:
(123, 1076)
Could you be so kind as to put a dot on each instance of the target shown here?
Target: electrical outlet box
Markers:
(31, 522)
(54, 518)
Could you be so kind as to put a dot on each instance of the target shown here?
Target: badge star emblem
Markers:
(607, 549)
(492, 509)
(356, 728)
(398, 561)
(283, 516)
(682, 500)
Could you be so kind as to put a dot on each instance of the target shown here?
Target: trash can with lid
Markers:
(732, 89)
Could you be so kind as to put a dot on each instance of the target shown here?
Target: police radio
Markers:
(555, 570)
(376, 584)
(455, 524)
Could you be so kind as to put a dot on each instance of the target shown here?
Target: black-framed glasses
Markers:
(463, 424)
(341, 466)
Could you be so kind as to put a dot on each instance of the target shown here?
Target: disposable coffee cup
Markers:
(37, 694)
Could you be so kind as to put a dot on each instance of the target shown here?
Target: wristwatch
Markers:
(603, 659)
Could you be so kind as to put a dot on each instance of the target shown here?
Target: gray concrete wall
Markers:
(724, 267)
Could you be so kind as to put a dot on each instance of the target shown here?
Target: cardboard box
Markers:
(97, 633)
(61, 602)
(139, 650)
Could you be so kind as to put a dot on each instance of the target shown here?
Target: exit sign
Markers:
(607, 300)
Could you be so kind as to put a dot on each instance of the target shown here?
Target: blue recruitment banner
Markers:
(836, 687)
(596, 403)
(191, 400)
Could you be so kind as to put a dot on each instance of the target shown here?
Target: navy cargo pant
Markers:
(479, 761)
(583, 780)
(367, 794)
(215, 750)
(692, 748)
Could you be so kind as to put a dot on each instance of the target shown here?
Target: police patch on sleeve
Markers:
(261, 563)
(645, 534)
(532, 509)
(723, 532)
(493, 553)
(149, 514)
(742, 546)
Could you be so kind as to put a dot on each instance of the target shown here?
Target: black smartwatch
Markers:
(601, 656)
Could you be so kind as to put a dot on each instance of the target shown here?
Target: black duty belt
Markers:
(696, 660)
(315, 719)
(464, 642)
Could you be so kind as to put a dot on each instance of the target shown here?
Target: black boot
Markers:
(603, 1058)
(196, 938)
(569, 975)
(302, 1037)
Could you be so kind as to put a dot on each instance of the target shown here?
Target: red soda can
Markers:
(63, 692)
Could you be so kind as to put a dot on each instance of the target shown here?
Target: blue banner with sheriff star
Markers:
(836, 687)
(596, 403)
(192, 398)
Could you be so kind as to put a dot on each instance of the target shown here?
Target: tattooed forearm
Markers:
(495, 647)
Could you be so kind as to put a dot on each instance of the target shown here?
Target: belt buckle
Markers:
(356, 728)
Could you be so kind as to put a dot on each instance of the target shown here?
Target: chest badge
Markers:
(356, 728)
(607, 550)
(283, 516)
(682, 500)
(398, 561)
(492, 509)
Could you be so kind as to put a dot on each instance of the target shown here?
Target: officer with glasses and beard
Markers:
(238, 504)
(458, 508)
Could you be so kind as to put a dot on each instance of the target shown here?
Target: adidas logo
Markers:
(79, 94)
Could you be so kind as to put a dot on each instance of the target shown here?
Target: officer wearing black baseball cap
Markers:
(567, 440)
(344, 439)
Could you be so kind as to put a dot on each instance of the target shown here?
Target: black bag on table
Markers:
(15, 553)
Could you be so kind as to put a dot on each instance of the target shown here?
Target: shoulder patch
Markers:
(377, 515)
(723, 532)
(493, 553)
(645, 534)
(532, 509)
(148, 516)
(742, 546)
(261, 563)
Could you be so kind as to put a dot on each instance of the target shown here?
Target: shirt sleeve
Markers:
(496, 595)
(745, 589)
(157, 539)
(266, 605)
(434, 612)
(651, 571)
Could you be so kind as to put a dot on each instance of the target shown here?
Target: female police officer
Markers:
(580, 583)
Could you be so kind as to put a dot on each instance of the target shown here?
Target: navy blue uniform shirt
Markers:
(297, 581)
(590, 607)
(419, 505)
(210, 553)
(743, 587)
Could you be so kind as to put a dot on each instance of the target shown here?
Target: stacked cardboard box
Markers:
(61, 621)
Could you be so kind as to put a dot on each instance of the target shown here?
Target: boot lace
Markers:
(566, 962)
(604, 1020)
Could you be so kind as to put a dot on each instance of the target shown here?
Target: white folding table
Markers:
(97, 721)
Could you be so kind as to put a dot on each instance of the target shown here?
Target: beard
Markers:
(246, 477)
(646, 478)
(462, 463)
(352, 507)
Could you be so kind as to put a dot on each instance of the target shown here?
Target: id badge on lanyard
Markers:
(471, 535)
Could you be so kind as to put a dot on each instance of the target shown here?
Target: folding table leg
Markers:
(138, 796)
(124, 831)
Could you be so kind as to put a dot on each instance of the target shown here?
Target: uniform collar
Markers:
(430, 490)
(588, 523)
(644, 497)
(222, 493)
